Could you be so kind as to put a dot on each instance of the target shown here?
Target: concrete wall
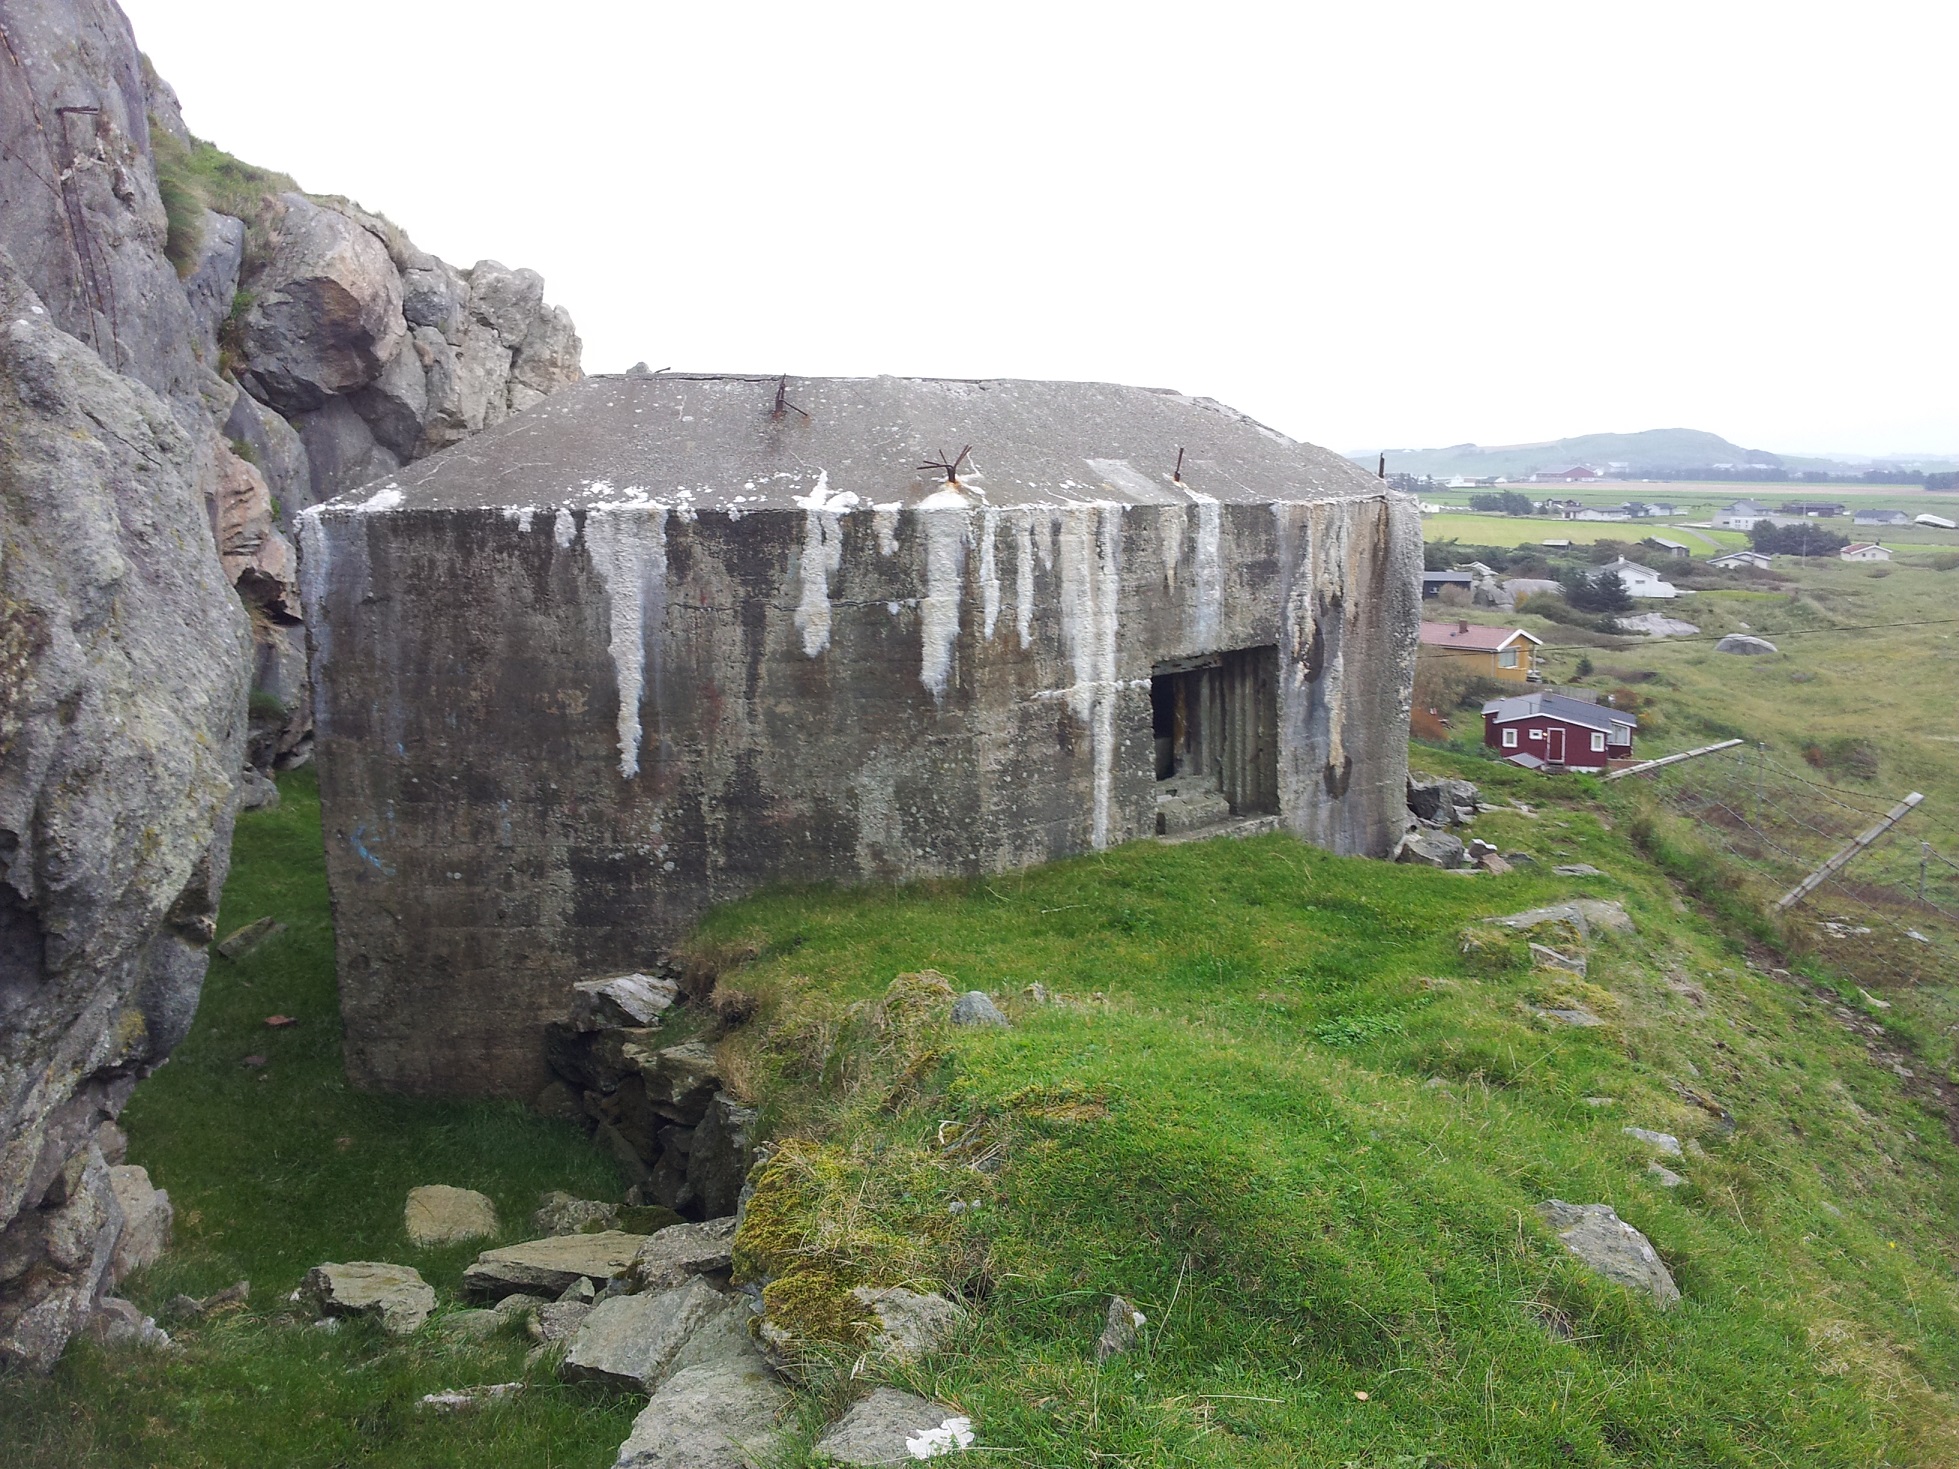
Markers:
(807, 695)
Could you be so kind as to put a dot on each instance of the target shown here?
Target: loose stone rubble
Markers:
(893, 1427)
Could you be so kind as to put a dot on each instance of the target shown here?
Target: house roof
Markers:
(716, 441)
(1664, 544)
(1751, 557)
(1622, 565)
(1462, 577)
(1470, 635)
(1543, 705)
(1860, 546)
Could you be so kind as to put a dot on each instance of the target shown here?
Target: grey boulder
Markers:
(1430, 849)
(682, 1251)
(976, 1007)
(395, 1295)
(630, 1341)
(893, 1427)
(438, 1214)
(717, 1415)
(326, 310)
(909, 1324)
(1597, 1236)
(630, 1000)
(146, 1220)
(1738, 642)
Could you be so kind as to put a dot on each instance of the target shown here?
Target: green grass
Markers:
(1238, 1125)
(275, 1169)
(1272, 1101)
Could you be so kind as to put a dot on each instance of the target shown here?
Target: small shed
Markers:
(1672, 548)
(1734, 560)
(1434, 581)
(1544, 729)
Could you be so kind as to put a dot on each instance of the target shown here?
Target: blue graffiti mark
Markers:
(366, 856)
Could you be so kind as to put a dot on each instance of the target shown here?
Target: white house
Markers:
(1864, 551)
(1740, 558)
(1743, 514)
(1880, 517)
(1640, 581)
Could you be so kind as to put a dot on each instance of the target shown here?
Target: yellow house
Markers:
(1507, 653)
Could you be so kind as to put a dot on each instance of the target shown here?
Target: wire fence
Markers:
(1889, 916)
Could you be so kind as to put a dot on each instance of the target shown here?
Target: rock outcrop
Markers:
(123, 661)
(147, 583)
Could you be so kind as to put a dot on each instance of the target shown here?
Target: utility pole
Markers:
(1672, 759)
(1842, 859)
(1924, 854)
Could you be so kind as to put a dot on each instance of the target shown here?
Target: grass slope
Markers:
(1272, 1101)
(1288, 1118)
(274, 1169)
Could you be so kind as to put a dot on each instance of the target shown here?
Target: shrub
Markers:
(1584, 668)
(1946, 561)
(1843, 755)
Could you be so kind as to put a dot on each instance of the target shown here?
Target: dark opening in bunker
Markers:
(1216, 724)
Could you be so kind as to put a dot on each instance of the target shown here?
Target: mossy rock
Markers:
(1493, 951)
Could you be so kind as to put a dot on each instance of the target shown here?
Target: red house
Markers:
(1546, 730)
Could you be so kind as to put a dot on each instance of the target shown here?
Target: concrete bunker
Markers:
(666, 638)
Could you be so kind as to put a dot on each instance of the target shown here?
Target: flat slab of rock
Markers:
(893, 1427)
(557, 1320)
(633, 1000)
(437, 1214)
(681, 1251)
(1737, 642)
(1597, 1236)
(718, 1415)
(395, 1295)
(909, 1324)
(547, 1266)
(468, 1399)
(1577, 869)
(630, 1342)
(976, 1007)
(1546, 957)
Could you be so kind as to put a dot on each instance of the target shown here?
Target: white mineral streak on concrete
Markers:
(628, 546)
(938, 609)
(1044, 538)
(1024, 576)
(522, 515)
(1207, 568)
(1170, 540)
(385, 498)
(822, 557)
(1091, 577)
(884, 520)
(564, 530)
(989, 571)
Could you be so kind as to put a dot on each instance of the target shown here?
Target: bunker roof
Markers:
(727, 442)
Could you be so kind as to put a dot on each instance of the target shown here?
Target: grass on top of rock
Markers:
(274, 1165)
(204, 176)
(1268, 1098)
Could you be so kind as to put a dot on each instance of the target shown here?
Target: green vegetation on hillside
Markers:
(200, 177)
(1298, 1108)
(275, 1167)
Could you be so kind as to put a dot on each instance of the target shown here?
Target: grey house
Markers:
(665, 638)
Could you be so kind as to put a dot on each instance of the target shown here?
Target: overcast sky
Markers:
(1370, 225)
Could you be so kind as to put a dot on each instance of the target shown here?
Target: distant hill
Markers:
(1656, 450)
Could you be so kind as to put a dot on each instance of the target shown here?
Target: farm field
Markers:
(1479, 528)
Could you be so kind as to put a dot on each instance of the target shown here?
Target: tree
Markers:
(1509, 502)
(1803, 539)
(1584, 668)
(1597, 592)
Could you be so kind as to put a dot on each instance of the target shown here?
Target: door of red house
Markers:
(1554, 741)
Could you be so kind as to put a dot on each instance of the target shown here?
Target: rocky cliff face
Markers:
(160, 425)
